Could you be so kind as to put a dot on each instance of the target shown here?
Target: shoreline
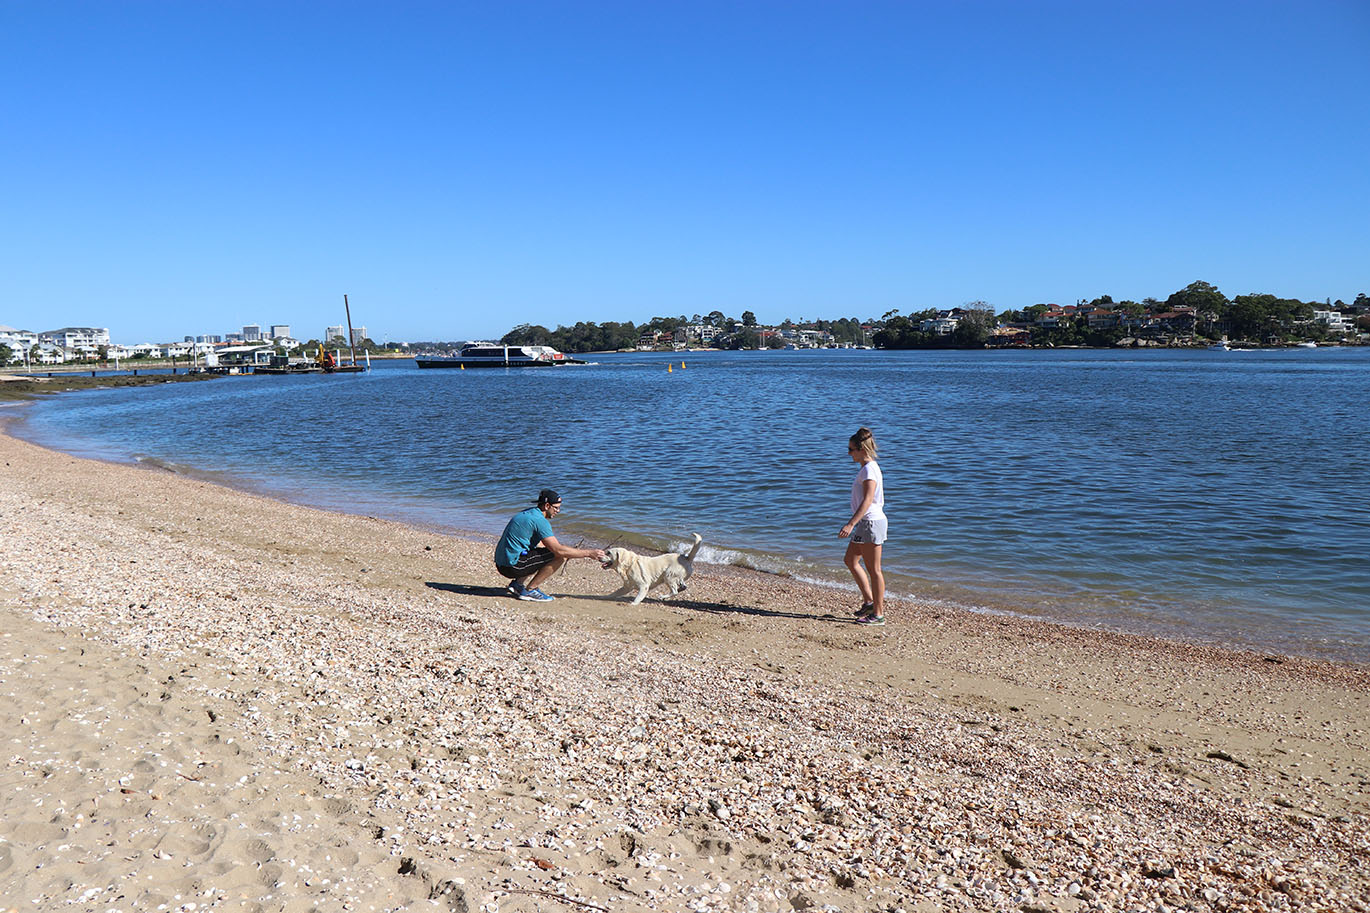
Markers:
(833, 578)
(374, 683)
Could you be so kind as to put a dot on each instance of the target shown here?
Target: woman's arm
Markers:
(867, 499)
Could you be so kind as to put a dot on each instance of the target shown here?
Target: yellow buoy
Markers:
(668, 367)
(463, 367)
(682, 366)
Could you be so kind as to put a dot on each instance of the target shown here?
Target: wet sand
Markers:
(218, 699)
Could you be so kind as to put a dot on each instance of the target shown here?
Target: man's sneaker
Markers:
(535, 595)
(516, 590)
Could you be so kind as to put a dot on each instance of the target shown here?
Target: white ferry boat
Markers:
(494, 355)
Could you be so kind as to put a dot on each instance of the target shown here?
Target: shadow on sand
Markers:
(693, 605)
(465, 590)
(724, 608)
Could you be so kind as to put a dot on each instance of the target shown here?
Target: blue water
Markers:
(1217, 497)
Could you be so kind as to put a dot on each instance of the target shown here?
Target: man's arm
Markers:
(566, 551)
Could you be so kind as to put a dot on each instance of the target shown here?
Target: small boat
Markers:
(1220, 346)
(492, 355)
(1305, 345)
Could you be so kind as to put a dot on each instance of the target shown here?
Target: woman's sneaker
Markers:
(867, 608)
(871, 620)
(535, 596)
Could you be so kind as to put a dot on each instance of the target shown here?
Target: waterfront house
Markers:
(1009, 336)
(1335, 321)
(1180, 321)
(246, 355)
(74, 339)
(1102, 319)
(944, 324)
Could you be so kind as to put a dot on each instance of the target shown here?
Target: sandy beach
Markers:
(216, 701)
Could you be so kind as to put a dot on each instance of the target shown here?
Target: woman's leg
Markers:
(870, 556)
(853, 562)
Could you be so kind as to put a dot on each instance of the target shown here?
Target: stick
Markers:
(561, 897)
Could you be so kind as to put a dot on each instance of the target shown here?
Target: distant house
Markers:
(1102, 319)
(1335, 321)
(19, 341)
(702, 332)
(1180, 320)
(944, 324)
(245, 355)
(73, 338)
(1009, 336)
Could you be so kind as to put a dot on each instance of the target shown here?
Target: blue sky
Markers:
(456, 169)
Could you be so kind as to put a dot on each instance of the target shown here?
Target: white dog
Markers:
(641, 573)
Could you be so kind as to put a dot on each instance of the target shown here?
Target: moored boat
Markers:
(492, 355)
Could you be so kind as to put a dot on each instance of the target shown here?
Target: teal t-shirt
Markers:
(525, 530)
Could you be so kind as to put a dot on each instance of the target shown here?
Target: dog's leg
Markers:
(642, 593)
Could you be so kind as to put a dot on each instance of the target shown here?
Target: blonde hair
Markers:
(863, 440)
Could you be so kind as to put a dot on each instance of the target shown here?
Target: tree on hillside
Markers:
(973, 328)
(527, 334)
(667, 324)
(744, 338)
(6, 354)
(1260, 316)
(748, 319)
(1202, 297)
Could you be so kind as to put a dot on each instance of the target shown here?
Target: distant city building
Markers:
(233, 337)
(252, 332)
(189, 339)
(358, 334)
(279, 330)
(73, 338)
(20, 342)
(209, 339)
(332, 333)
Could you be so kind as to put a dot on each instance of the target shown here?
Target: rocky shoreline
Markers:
(220, 701)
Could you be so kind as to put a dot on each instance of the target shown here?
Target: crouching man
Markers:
(528, 553)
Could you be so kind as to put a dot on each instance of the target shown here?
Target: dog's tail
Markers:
(695, 550)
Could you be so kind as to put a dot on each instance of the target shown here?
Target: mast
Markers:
(350, 347)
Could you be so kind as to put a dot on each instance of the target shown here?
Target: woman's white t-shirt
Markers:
(869, 470)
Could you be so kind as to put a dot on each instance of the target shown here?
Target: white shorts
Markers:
(870, 531)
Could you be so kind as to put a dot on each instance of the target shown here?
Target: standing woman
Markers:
(866, 528)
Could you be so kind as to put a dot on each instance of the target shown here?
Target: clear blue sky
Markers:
(186, 167)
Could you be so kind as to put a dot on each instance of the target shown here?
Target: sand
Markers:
(213, 700)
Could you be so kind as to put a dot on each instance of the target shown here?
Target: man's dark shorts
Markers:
(528, 564)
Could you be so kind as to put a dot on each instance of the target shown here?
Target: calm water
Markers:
(1219, 497)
